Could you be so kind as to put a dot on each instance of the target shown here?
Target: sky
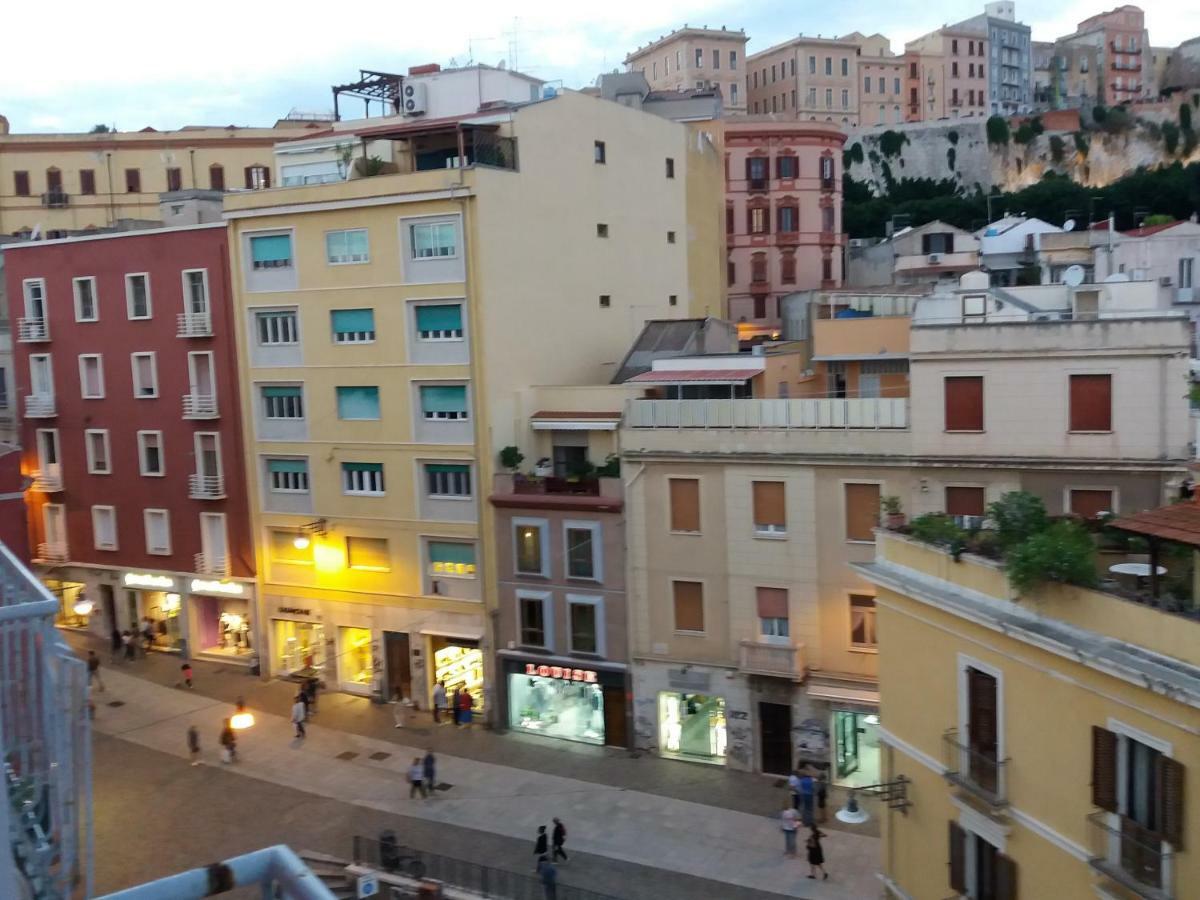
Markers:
(137, 63)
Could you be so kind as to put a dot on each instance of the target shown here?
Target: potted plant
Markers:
(893, 512)
(511, 458)
(543, 468)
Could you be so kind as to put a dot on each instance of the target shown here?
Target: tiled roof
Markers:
(1178, 522)
(1147, 230)
(683, 376)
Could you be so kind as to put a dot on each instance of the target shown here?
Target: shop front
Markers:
(298, 642)
(356, 660)
(155, 598)
(557, 699)
(223, 619)
(75, 609)
(458, 664)
(856, 751)
(692, 726)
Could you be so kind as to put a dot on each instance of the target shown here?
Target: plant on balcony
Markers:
(940, 530)
(511, 458)
(611, 467)
(893, 512)
(1017, 516)
(1064, 553)
(581, 470)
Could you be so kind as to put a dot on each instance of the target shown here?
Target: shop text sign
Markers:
(144, 579)
(294, 611)
(200, 586)
(585, 675)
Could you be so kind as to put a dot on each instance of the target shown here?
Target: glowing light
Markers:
(328, 559)
(301, 542)
(871, 720)
(241, 721)
(170, 602)
(142, 579)
(199, 586)
(83, 607)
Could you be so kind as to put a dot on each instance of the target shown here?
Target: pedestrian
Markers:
(807, 793)
(312, 686)
(558, 837)
(115, 644)
(147, 635)
(228, 741)
(193, 739)
(439, 702)
(465, 703)
(186, 671)
(302, 696)
(299, 715)
(454, 706)
(822, 795)
(399, 710)
(549, 876)
(416, 778)
(794, 787)
(93, 670)
(128, 644)
(816, 855)
(788, 823)
(429, 765)
(542, 845)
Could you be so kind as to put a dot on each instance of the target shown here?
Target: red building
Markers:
(126, 376)
(12, 503)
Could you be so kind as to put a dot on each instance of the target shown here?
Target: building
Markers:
(1044, 735)
(808, 78)
(1044, 73)
(1010, 63)
(441, 93)
(386, 321)
(684, 105)
(1010, 245)
(132, 436)
(783, 205)
(948, 74)
(8, 403)
(925, 255)
(881, 95)
(68, 183)
(700, 58)
(1106, 60)
(1182, 69)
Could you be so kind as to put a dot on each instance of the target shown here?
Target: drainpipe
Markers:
(112, 215)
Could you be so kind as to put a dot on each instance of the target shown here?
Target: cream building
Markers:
(390, 323)
(809, 78)
(696, 58)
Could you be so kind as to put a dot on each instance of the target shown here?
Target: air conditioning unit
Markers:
(1165, 281)
(414, 98)
(935, 258)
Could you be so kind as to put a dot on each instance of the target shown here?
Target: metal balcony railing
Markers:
(39, 406)
(779, 660)
(212, 565)
(816, 413)
(52, 551)
(193, 325)
(200, 406)
(1129, 854)
(206, 487)
(32, 329)
(48, 480)
(978, 773)
(56, 199)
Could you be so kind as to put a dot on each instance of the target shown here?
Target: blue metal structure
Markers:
(277, 870)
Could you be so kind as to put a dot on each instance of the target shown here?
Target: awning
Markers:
(560, 420)
(695, 376)
(843, 694)
(852, 357)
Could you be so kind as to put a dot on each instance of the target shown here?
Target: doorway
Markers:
(399, 674)
(108, 602)
(614, 717)
(856, 753)
(982, 733)
(775, 737)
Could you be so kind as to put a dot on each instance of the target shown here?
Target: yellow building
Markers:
(1045, 735)
(389, 325)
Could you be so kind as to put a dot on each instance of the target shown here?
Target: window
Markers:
(257, 177)
(137, 296)
(276, 328)
(358, 403)
(99, 460)
(812, 65)
(451, 558)
(827, 215)
(758, 220)
(582, 541)
(601, 230)
(216, 177)
(684, 496)
(670, 237)
(862, 511)
(362, 478)
(828, 65)
(104, 527)
(773, 75)
(882, 84)
(586, 615)
(86, 307)
(672, 299)
(733, 95)
(150, 453)
(133, 181)
(1091, 403)
(826, 173)
(812, 98)
(605, 301)
(353, 326)
(770, 514)
(598, 152)
(21, 184)
(867, 84)
(845, 99)
(758, 270)
(283, 402)
(271, 251)
(87, 182)
(1185, 272)
(978, 869)
(145, 376)
(827, 269)
(862, 622)
(535, 612)
(1090, 503)
(699, 58)
(772, 606)
(157, 524)
(733, 59)
(346, 247)
(444, 402)
(195, 291)
(671, 165)
(829, 98)
(716, 59)
(787, 268)
(529, 546)
(287, 476)
(964, 402)
(896, 86)
(447, 480)
(91, 376)
(441, 322)
(788, 219)
(845, 66)
(368, 553)
(283, 549)
(954, 70)
(688, 597)
(730, 272)
(174, 179)
(965, 501)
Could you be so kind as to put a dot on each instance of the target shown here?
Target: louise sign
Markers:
(565, 674)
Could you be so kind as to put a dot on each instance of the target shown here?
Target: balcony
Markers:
(758, 185)
(33, 329)
(207, 564)
(1130, 855)
(206, 487)
(775, 660)
(193, 325)
(40, 406)
(48, 480)
(977, 773)
(587, 487)
(787, 238)
(56, 200)
(52, 552)
(867, 413)
(200, 406)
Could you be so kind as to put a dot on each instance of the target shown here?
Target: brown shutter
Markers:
(216, 178)
(958, 858)
(689, 605)
(87, 181)
(964, 501)
(926, 243)
(862, 511)
(772, 602)
(1004, 885)
(685, 504)
(769, 503)
(964, 403)
(133, 181)
(1089, 504)
(1104, 768)
(1091, 403)
(1170, 797)
(249, 172)
(266, 176)
(174, 179)
(749, 169)
(21, 184)
(729, 224)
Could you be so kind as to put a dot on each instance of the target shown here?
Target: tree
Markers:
(100, 129)
(1185, 117)
(1017, 516)
(1081, 144)
(1058, 148)
(997, 130)
(1063, 553)
(1170, 133)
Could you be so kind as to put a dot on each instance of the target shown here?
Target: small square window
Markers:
(673, 300)
(670, 167)
(670, 237)
(606, 300)
(599, 152)
(601, 229)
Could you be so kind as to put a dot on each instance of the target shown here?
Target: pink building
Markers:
(947, 74)
(783, 208)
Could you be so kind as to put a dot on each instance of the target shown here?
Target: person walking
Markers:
(128, 643)
(454, 706)
(193, 741)
(228, 741)
(186, 671)
(299, 714)
(416, 778)
(558, 837)
(311, 687)
(429, 765)
(115, 645)
(399, 710)
(816, 854)
(807, 793)
(794, 788)
(465, 704)
(542, 845)
(147, 635)
(789, 821)
(439, 702)
(549, 875)
(302, 696)
(822, 795)
(93, 670)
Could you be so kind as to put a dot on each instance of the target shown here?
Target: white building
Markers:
(1007, 245)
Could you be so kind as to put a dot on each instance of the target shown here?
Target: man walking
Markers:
(298, 715)
(429, 765)
(541, 846)
(807, 793)
(416, 779)
(794, 788)
(439, 702)
(93, 670)
(559, 837)
(193, 741)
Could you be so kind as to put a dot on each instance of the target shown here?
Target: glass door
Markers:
(846, 739)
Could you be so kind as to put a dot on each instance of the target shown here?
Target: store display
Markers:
(556, 708)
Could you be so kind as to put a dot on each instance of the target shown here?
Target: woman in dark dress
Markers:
(816, 855)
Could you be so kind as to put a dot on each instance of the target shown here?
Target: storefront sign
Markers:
(689, 680)
(585, 675)
(142, 579)
(294, 611)
(216, 587)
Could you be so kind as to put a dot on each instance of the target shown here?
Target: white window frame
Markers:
(1126, 733)
(99, 358)
(470, 495)
(352, 337)
(267, 400)
(187, 298)
(347, 477)
(279, 312)
(216, 436)
(133, 363)
(850, 645)
(441, 338)
(75, 283)
(88, 435)
(147, 514)
(597, 603)
(349, 261)
(543, 527)
(546, 598)
(772, 637)
(597, 530)
(129, 276)
(112, 512)
(452, 221)
(964, 662)
(269, 476)
(162, 456)
(27, 286)
(40, 437)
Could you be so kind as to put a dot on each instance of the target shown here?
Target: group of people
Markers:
(458, 707)
(227, 740)
(124, 644)
(305, 704)
(422, 775)
(809, 796)
(546, 869)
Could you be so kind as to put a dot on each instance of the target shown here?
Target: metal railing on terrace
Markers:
(1131, 855)
(813, 413)
(977, 773)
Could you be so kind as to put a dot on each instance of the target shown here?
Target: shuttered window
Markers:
(862, 511)
(271, 251)
(685, 504)
(964, 501)
(368, 553)
(770, 516)
(772, 602)
(21, 184)
(1104, 769)
(1091, 403)
(288, 476)
(444, 402)
(958, 858)
(362, 478)
(158, 531)
(358, 402)
(689, 605)
(447, 558)
(441, 322)
(353, 326)
(216, 177)
(1089, 504)
(991, 874)
(87, 181)
(964, 403)
(283, 402)
(1152, 799)
(174, 179)
(133, 181)
(447, 480)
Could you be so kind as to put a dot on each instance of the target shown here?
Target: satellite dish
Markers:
(1116, 278)
(1074, 276)
(1069, 225)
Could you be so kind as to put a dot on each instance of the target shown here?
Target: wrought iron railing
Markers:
(190, 325)
(1130, 854)
(206, 487)
(981, 774)
(31, 329)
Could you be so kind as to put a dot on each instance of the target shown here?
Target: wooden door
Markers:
(615, 734)
(982, 733)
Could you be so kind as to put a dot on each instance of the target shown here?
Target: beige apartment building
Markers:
(689, 58)
(947, 74)
(1107, 59)
(881, 98)
(809, 78)
(755, 482)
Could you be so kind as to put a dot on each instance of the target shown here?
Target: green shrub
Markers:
(611, 467)
(1117, 120)
(952, 136)
(891, 143)
(1016, 516)
(1170, 133)
(1036, 124)
(1063, 553)
(938, 529)
(1196, 100)
(1025, 133)
(997, 130)
(950, 158)
(1189, 142)
(511, 458)
(873, 156)
(1099, 114)
(1185, 117)
(1058, 148)
(1081, 144)
(856, 152)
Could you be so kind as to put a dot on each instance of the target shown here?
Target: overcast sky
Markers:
(135, 63)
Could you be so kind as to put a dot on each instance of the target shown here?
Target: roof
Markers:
(695, 376)
(1147, 230)
(1178, 522)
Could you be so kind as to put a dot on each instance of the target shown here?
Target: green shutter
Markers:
(287, 465)
(271, 248)
(351, 320)
(289, 391)
(444, 398)
(444, 469)
(439, 318)
(358, 402)
(443, 552)
(362, 467)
